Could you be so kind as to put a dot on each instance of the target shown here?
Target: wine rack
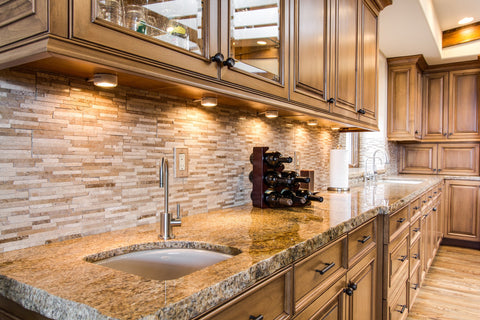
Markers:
(274, 187)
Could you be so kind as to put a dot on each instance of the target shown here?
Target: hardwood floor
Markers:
(451, 290)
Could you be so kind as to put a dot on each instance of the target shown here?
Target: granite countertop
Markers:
(56, 281)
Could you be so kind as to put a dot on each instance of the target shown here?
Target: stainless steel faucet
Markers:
(166, 221)
(373, 176)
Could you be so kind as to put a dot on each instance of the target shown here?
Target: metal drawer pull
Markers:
(415, 286)
(429, 197)
(416, 229)
(403, 258)
(260, 317)
(404, 306)
(416, 208)
(328, 267)
(416, 256)
(401, 220)
(365, 239)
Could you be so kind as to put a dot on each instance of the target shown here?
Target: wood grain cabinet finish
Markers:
(442, 158)
(464, 105)
(342, 74)
(463, 210)
(435, 107)
(451, 106)
(20, 19)
(404, 115)
(270, 300)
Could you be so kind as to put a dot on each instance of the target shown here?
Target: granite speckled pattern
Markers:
(57, 281)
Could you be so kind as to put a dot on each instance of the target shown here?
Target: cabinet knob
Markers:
(434, 209)
(401, 220)
(361, 111)
(260, 317)
(450, 134)
(416, 131)
(218, 57)
(402, 258)
(415, 286)
(348, 291)
(230, 62)
(352, 286)
(331, 100)
(445, 134)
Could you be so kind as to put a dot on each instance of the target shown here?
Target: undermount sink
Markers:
(402, 181)
(164, 263)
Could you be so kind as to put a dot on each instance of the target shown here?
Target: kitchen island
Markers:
(57, 281)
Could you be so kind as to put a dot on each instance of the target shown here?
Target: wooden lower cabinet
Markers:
(270, 299)
(362, 279)
(463, 211)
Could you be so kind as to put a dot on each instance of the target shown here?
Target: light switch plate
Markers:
(181, 162)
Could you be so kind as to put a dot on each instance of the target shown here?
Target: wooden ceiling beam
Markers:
(461, 35)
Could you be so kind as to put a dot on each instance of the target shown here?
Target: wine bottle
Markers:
(292, 175)
(273, 159)
(275, 199)
(308, 195)
(274, 178)
(287, 193)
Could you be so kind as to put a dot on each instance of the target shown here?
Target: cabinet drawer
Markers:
(360, 240)
(398, 308)
(398, 221)
(398, 260)
(268, 299)
(414, 286)
(415, 208)
(312, 272)
(415, 230)
(415, 254)
(326, 305)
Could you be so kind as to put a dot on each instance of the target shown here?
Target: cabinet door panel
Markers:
(464, 114)
(20, 19)
(418, 158)
(461, 159)
(463, 211)
(254, 35)
(345, 80)
(435, 106)
(369, 57)
(310, 30)
(120, 39)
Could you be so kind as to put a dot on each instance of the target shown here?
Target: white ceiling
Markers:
(409, 27)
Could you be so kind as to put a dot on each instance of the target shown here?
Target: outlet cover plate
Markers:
(181, 162)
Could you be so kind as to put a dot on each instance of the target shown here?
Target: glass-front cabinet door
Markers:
(253, 36)
(178, 33)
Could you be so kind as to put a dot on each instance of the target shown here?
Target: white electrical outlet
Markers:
(181, 162)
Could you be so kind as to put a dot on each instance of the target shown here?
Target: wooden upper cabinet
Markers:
(441, 158)
(435, 110)
(405, 90)
(464, 104)
(345, 34)
(367, 108)
(458, 158)
(183, 45)
(309, 32)
(255, 35)
(452, 105)
(418, 158)
(20, 19)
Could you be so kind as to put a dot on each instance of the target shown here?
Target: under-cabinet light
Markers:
(208, 101)
(105, 80)
(312, 122)
(271, 113)
(261, 42)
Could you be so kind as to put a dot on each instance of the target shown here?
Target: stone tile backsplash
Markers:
(78, 160)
